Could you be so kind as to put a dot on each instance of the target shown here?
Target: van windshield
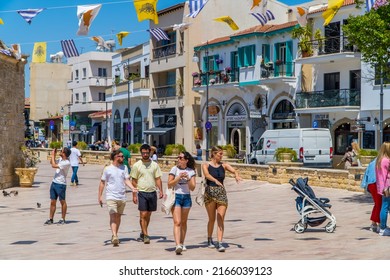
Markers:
(259, 145)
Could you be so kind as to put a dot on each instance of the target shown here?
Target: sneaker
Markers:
(146, 239)
(384, 232)
(49, 222)
(374, 228)
(178, 250)
(210, 243)
(220, 247)
(115, 241)
(61, 222)
(72, 184)
(183, 247)
(141, 235)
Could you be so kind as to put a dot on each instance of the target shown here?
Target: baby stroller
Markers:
(314, 211)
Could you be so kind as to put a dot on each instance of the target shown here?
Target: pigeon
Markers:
(15, 193)
(5, 193)
(38, 205)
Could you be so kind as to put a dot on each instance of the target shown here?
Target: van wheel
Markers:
(253, 161)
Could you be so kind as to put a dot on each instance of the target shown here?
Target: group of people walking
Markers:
(145, 183)
(376, 181)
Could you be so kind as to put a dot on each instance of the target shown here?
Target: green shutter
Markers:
(241, 57)
(289, 59)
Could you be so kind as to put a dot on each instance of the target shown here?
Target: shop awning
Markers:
(159, 130)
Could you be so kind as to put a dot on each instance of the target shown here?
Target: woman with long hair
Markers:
(215, 199)
(382, 182)
(182, 178)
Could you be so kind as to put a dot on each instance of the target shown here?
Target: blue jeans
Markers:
(384, 210)
(75, 179)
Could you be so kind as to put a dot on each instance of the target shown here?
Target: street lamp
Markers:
(207, 124)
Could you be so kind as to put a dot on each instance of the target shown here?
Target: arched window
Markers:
(137, 130)
(344, 138)
(117, 126)
(284, 111)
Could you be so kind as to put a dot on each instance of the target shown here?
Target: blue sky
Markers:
(59, 22)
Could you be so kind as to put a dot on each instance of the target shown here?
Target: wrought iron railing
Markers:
(328, 98)
(330, 45)
(164, 51)
(216, 77)
(164, 91)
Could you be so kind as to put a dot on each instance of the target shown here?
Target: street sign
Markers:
(51, 127)
(83, 127)
(315, 124)
(51, 122)
(72, 127)
(208, 125)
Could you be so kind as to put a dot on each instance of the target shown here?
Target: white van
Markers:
(313, 146)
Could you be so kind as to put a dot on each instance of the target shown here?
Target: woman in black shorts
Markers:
(215, 198)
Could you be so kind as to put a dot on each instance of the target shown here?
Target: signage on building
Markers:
(358, 127)
(236, 118)
(170, 120)
(255, 115)
(213, 118)
(321, 116)
(236, 124)
(213, 110)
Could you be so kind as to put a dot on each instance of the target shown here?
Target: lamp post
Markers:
(70, 120)
(381, 110)
(128, 115)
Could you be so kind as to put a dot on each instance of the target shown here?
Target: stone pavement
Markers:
(259, 226)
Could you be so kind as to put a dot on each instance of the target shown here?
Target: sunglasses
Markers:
(145, 153)
(180, 157)
(120, 156)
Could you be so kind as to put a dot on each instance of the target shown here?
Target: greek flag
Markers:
(264, 18)
(29, 14)
(69, 48)
(159, 34)
(195, 7)
(369, 5)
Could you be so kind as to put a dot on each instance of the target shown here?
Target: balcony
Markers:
(328, 98)
(277, 70)
(164, 91)
(216, 77)
(164, 51)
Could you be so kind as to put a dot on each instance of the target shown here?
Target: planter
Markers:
(365, 160)
(285, 157)
(26, 176)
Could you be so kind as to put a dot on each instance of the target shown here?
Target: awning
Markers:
(93, 128)
(159, 130)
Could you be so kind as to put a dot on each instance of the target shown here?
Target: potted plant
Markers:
(284, 154)
(195, 74)
(212, 81)
(230, 151)
(27, 173)
(197, 82)
(228, 69)
(366, 156)
(304, 35)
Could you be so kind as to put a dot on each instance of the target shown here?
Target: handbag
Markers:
(168, 201)
(200, 195)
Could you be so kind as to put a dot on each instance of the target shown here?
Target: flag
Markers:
(159, 34)
(121, 35)
(102, 45)
(39, 52)
(379, 3)
(229, 21)
(69, 48)
(146, 9)
(6, 52)
(331, 11)
(195, 7)
(301, 14)
(260, 17)
(16, 51)
(29, 14)
(181, 26)
(1, 21)
(256, 3)
(269, 15)
(86, 14)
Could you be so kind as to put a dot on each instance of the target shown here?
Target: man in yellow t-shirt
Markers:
(146, 177)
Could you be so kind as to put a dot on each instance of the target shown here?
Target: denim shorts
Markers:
(183, 201)
(57, 191)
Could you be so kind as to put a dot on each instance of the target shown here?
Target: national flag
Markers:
(331, 11)
(16, 51)
(86, 14)
(6, 52)
(29, 14)
(260, 17)
(270, 15)
(146, 9)
(1, 21)
(159, 34)
(229, 21)
(195, 7)
(121, 35)
(301, 14)
(39, 52)
(256, 3)
(380, 3)
(69, 48)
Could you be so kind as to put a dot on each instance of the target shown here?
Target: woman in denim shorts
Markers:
(182, 178)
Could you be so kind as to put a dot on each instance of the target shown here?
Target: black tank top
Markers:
(218, 173)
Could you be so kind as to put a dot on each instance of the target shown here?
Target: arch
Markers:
(236, 109)
(117, 125)
(137, 130)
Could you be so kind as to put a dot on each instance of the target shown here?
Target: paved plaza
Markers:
(259, 226)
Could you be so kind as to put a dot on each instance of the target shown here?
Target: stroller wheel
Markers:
(299, 227)
(330, 227)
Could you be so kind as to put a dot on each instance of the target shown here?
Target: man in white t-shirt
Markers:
(115, 178)
(75, 158)
(58, 185)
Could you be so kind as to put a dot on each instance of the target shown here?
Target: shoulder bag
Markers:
(168, 201)
(200, 195)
